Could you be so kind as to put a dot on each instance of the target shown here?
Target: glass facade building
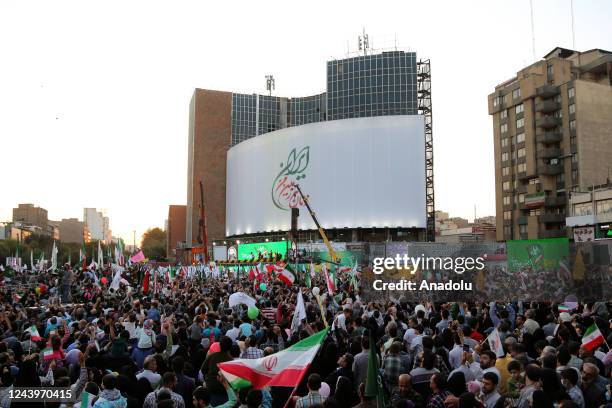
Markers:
(363, 86)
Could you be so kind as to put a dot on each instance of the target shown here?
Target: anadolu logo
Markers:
(284, 192)
(270, 362)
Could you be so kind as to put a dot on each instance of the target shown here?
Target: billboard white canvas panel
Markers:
(357, 173)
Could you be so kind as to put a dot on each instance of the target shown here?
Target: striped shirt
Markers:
(313, 398)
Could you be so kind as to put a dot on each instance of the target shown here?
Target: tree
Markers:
(153, 244)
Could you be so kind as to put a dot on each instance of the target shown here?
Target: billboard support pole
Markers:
(425, 109)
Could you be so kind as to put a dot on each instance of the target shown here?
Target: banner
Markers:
(584, 234)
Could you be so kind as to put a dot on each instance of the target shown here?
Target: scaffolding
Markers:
(424, 108)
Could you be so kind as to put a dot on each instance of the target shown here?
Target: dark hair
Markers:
(169, 378)
(563, 355)
(178, 364)
(428, 359)
(254, 398)
(491, 377)
(533, 372)
(202, 394)
(427, 343)
(167, 403)
(515, 365)
(226, 344)
(570, 375)
(573, 347)
(549, 361)
(109, 382)
(314, 381)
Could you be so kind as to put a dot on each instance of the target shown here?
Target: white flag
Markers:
(495, 343)
(299, 314)
(54, 257)
(100, 256)
(117, 278)
(241, 298)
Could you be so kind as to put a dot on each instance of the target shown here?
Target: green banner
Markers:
(537, 254)
(252, 251)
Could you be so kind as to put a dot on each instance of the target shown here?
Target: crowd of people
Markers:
(158, 341)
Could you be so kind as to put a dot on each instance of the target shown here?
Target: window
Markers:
(549, 72)
(534, 212)
(574, 176)
(497, 101)
(506, 200)
(523, 229)
(505, 171)
(572, 125)
(504, 142)
(518, 109)
(604, 206)
(571, 92)
(507, 231)
(507, 215)
(505, 156)
(504, 128)
(503, 114)
(506, 186)
(558, 114)
(521, 198)
(520, 123)
(534, 181)
(583, 209)
(516, 93)
(572, 109)
(522, 167)
(574, 158)
(521, 152)
(520, 138)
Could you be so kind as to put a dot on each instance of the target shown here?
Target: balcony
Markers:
(547, 106)
(547, 91)
(522, 220)
(548, 122)
(551, 169)
(555, 201)
(551, 218)
(549, 137)
(550, 153)
(553, 233)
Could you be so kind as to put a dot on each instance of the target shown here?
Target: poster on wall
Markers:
(537, 254)
(584, 234)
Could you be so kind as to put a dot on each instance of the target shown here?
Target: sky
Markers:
(94, 96)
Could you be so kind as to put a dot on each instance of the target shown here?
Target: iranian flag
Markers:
(48, 354)
(592, 337)
(331, 287)
(563, 308)
(283, 369)
(34, 336)
(287, 276)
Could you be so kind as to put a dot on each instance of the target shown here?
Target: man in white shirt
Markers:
(456, 353)
(149, 372)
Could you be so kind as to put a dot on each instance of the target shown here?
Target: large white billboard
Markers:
(357, 173)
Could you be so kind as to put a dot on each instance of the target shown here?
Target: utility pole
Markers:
(134, 241)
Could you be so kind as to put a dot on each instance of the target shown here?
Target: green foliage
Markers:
(154, 244)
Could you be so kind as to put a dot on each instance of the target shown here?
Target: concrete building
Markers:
(98, 224)
(590, 213)
(377, 84)
(73, 230)
(29, 215)
(551, 129)
(175, 229)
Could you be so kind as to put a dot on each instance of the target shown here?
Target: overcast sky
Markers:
(94, 96)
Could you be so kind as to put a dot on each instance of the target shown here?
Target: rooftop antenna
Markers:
(269, 84)
(364, 42)
(532, 30)
(395, 41)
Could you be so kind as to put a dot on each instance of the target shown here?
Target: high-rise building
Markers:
(551, 129)
(97, 224)
(71, 230)
(175, 229)
(382, 84)
(29, 215)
